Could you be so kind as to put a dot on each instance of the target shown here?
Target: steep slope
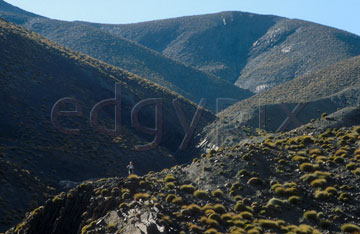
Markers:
(249, 50)
(214, 43)
(34, 74)
(293, 48)
(115, 50)
(336, 86)
(303, 181)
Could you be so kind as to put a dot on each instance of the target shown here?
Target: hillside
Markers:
(34, 74)
(185, 80)
(215, 43)
(325, 91)
(301, 181)
(247, 49)
(293, 48)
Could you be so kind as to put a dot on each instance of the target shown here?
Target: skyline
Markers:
(327, 12)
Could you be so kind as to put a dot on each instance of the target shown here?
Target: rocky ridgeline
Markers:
(303, 181)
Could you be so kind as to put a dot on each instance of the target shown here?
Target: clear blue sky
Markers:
(343, 14)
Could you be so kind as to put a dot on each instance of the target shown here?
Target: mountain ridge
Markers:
(147, 63)
(271, 57)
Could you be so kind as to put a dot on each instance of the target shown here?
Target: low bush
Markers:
(189, 188)
(351, 228)
(201, 194)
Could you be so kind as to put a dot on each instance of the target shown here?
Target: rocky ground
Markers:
(302, 181)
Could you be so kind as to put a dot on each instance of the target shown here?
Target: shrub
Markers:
(339, 160)
(285, 191)
(310, 215)
(315, 151)
(294, 200)
(209, 212)
(299, 158)
(318, 183)
(123, 205)
(115, 191)
(238, 198)
(344, 197)
(331, 190)
(356, 171)
(170, 185)
(111, 227)
(201, 194)
(350, 166)
(177, 200)
(125, 195)
(194, 228)
(239, 206)
(189, 188)
(133, 177)
(219, 208)
(266, 223)
(215, 216)
(321, 159)
(243, 172)
(323, 174)
(253, 231)
(246, 215)
(211, 231)
(226, 217)
(211, 222)
(322, 194)
(169, 178)
(217, 193)
(88, 227)
(275, 202)
(191, 209)
(351, 228)
(255, 181)
(170, 197)
(325, 223)
(207, 206)
(308, 167)
(142, 196)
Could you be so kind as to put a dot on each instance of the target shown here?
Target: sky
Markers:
(342, 14)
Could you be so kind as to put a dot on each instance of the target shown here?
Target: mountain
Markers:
(284, 160)
(252, 51)
(293, 48)
(214, 43)
(35, 74)
(334, 87)
(302, 181)
(185, 80)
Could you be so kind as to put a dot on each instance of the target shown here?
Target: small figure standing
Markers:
(131, 168)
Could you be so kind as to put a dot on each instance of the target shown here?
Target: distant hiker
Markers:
(131, 168)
